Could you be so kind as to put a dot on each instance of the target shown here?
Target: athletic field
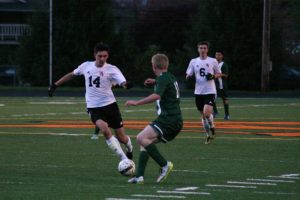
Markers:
(46, 152)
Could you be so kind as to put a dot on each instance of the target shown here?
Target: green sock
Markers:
(143, 159)
(154, 153)
(226, 108)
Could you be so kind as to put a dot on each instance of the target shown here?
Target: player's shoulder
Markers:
(111, 67)
(194, 60)
(212, 60)
(87, 64)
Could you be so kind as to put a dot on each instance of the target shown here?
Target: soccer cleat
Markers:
(137, 180)
(165, 171)
(207, 140)
(129, 154)
(94, 137)
(226, 117)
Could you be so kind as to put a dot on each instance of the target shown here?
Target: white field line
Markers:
(55, 103)
(270, 180)
(291, 175)
(284, 177)
(2, 104)
(276, 193)
(249, 183)
(159, 196)
(182, 192)
(186, 188)
(233, 106)
(122, 199)
(230, 186)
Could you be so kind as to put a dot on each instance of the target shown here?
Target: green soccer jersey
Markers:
(168, 107)
(224, 70)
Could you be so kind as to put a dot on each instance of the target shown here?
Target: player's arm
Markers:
(126, 84)
(190, 71)
(58, 83)
(149, 99)
(149, 82)
(217, 72)
(225, 70)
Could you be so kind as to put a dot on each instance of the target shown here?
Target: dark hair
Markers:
(101, 47)
(220, 51)
(203, 43)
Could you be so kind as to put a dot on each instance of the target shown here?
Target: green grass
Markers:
(38, 163)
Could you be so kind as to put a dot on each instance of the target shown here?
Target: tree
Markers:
(235, 27)
(77, 26)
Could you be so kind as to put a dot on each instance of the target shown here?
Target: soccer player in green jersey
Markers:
(221, 84)
(168, 123)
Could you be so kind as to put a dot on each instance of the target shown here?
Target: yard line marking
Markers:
(276, 193)
(229, 186)
(270, 180)
(53, 103)
(122, 199)
(2, 104)
(249, 183)
(158, 196)
(186, 188)
(189, 171)
(182, 192)
(287, 177)
(290, 175)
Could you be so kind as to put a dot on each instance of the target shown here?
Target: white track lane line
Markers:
(230, 186)
(270, 180)
(159, 196)
(250, 183)
(182, 192)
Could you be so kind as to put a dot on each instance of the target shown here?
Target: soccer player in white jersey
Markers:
(100, 76)
(205, 69)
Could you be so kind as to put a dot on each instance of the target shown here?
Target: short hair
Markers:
(101, 47)
(220, 51)
(161, 61)
(203, 43)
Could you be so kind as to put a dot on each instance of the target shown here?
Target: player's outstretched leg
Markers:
(95, 135)
(165, 171)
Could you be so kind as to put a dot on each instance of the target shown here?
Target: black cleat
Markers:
(208, 139)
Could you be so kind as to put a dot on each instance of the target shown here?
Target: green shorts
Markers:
(166, 131)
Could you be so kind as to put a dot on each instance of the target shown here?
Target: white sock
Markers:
(114, 145)
(129, 145)
(206, 126)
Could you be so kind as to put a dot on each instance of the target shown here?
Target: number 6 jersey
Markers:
(98, 83)
(200, 68)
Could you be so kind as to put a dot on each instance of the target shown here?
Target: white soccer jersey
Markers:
(98, 83)
(220, 79)
(200, 68)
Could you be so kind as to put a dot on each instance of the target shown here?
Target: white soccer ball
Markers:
(126, 167)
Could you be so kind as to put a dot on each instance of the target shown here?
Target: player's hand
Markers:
(130, 103)
(128, 85)
(51, 90)
(149, 81)
(210, 76)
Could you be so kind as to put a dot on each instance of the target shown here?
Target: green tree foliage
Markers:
(75, 32)
(234, 26)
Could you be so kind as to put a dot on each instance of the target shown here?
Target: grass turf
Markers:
(49, 163)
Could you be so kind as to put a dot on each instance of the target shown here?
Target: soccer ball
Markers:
(126, 167)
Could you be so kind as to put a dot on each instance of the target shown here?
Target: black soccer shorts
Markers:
(110, 114)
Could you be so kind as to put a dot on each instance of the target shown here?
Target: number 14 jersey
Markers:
(200, 68)
(98, 83)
